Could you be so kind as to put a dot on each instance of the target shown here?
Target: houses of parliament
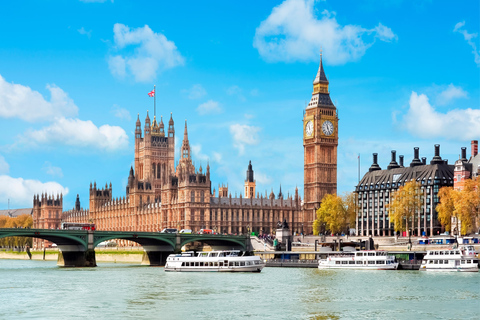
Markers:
(161, 195)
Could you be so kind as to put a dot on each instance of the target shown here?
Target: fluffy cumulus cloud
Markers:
(78, 133)
(451, 93)
(209, 107)
(293, 32)
(469, 37)
(21, 191)
(242, 135)
(152, 53)
(424, 121)
(18, 101)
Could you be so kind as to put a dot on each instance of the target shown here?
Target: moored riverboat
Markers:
(362, 260)
(214, 261)
(462, 259)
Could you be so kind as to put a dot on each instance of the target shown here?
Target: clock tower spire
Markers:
(320, 141)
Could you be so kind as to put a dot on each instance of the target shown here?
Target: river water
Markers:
(41, 290)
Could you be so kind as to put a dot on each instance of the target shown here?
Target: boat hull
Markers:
(393, 266)
(256, 268)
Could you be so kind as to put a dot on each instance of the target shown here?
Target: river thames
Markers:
(41, 290)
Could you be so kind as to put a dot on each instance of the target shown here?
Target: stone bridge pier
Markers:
(70, 255)
(155, 255)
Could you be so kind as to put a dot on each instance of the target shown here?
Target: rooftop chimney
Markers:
(474, 148)
(437, 159)
(393, 164)
(416, 160)
(374, 165)
(401, 160)
(424, 160)
(464, 154)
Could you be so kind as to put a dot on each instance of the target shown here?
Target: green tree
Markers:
(405, 206)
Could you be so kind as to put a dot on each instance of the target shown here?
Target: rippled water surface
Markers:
(41, 290)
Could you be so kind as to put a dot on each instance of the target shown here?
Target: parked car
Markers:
(169, 230)
(186, 231)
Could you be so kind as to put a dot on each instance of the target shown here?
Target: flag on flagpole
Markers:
(152, 93)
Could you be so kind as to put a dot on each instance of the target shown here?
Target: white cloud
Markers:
(196, 92)
(262, 178)
(152, 54)
(209, 107)
(469, 38)
(242, 135)
(79, 133)
(4, 167)
(121, 113)
(85, 32)
(21, 191)
(197, 153)
(449, 94)
(293, 32)
(217, 157)
(18, 101)
(117, 66)
(424, 121)
(52, 170)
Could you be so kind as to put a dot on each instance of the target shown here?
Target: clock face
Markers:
(327, 128)
(309, 129)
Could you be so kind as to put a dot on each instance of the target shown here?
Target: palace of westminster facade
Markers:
(160, 195)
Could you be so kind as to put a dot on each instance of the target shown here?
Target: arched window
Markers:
(193, 196)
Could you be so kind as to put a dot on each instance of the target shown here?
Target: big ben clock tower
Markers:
(320, 141)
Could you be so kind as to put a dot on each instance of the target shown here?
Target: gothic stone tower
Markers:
(320, 141)
(249, 183)
(154, 153)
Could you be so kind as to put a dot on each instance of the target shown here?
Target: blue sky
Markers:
(75, 74)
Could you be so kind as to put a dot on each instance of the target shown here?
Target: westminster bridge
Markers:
(77, 247)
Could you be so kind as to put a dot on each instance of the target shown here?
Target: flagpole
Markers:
(359, 168)
(154, 102)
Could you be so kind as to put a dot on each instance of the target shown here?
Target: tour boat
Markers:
(214, 261)
(364, 260)
(461, 259)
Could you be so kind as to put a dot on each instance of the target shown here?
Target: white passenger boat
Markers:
(214, 261)
(462, 259)
(365, 260)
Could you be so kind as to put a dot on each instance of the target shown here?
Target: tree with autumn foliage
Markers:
(405, 206)
(462, 204)
(21, 221)
(446, 207)
(335, 213)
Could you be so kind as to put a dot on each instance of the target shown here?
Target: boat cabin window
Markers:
(359, 254)
(359, 262)
(351, 262)
(220, 264)
(203, 254)
(213, 254)
(337, 262)
(462, 261)
(371, 254)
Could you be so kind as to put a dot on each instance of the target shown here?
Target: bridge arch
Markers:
(216, 241)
